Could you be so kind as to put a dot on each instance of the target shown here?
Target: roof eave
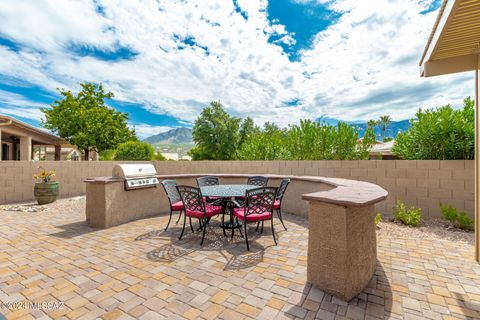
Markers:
(444, 14)
(449, 65)
(53, 138)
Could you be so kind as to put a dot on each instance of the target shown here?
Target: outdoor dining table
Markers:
(228, 193)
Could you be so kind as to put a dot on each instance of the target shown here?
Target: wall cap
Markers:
(345, 192)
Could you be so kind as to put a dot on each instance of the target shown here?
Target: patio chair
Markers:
(195, 207)
(277, 205)
(258, 207)
(258, 181)
(208, 181)
(174, 199)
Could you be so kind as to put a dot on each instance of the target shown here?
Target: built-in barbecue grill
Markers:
(136, 176)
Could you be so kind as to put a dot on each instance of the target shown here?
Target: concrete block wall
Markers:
(16, 177)
(420, 183)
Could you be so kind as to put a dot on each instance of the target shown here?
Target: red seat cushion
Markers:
(276, 204)
(210, 212)
(211, 198)
(240, 214)
(177, 206)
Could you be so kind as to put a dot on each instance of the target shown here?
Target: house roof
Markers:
(454, 43)
(384, 148)
(38, 134)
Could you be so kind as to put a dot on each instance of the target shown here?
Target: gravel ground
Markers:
(74, 204)
(430, 228)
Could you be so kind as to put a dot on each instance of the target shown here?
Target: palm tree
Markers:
(384, 122)
(372, 124)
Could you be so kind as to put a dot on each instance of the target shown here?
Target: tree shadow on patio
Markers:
(74, 229)
(316, 303)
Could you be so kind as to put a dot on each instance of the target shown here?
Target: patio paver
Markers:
(139, 271)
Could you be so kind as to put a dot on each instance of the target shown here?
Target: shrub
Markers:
(410, 216)
(107, 155)
(459, 220)
(378, 218)
(449, 213)
(464, 222)
(133, 150)
(442, 133)
(308, 140)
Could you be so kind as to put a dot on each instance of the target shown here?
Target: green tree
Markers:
(372, 123)
(84, 120)
(308, 140)
(441, 133)
(216, 134)
(247, 128)
(266, 144)
(107, 155)
(134, 150)
(384, 122)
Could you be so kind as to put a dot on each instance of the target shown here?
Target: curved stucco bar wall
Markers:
(342, 250)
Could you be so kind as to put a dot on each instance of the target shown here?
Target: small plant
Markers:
(410, 216)
(44, 175)
(378, 218)
(449, 213)
(464, 222)
(460, 220)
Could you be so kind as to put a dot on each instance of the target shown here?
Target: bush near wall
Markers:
(443, 133)
(136, 151)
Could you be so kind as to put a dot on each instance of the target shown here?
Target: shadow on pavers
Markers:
(74, 229)
(315, 303)
(234, 251)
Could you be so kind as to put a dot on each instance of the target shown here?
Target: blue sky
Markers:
(277, 60)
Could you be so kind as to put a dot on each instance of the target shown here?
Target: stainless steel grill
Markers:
(136, 176)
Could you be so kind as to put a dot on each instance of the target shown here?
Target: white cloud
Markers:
(367, 63)
(16, 105)
(363, 66)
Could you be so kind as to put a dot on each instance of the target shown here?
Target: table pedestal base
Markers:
(232, 224)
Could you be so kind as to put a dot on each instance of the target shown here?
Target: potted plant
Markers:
(45, 190)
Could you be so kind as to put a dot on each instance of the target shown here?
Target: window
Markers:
(5, 151)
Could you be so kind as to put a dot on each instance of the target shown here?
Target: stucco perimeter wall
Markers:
(16, 177)
(423, 183)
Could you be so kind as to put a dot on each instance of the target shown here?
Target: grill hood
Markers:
(133, 170)
(136, 176)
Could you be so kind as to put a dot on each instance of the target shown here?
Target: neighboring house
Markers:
(175, 156)
(21, 141)
(170, 155)
(69, 152)
(382, 150)
(17, 140)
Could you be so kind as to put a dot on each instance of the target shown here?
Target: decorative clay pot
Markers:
(46, 192)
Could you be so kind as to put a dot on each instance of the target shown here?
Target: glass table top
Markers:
(226, 190)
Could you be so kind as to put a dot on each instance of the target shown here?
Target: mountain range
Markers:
(394, 128)
(184, 135)
(174, 136)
